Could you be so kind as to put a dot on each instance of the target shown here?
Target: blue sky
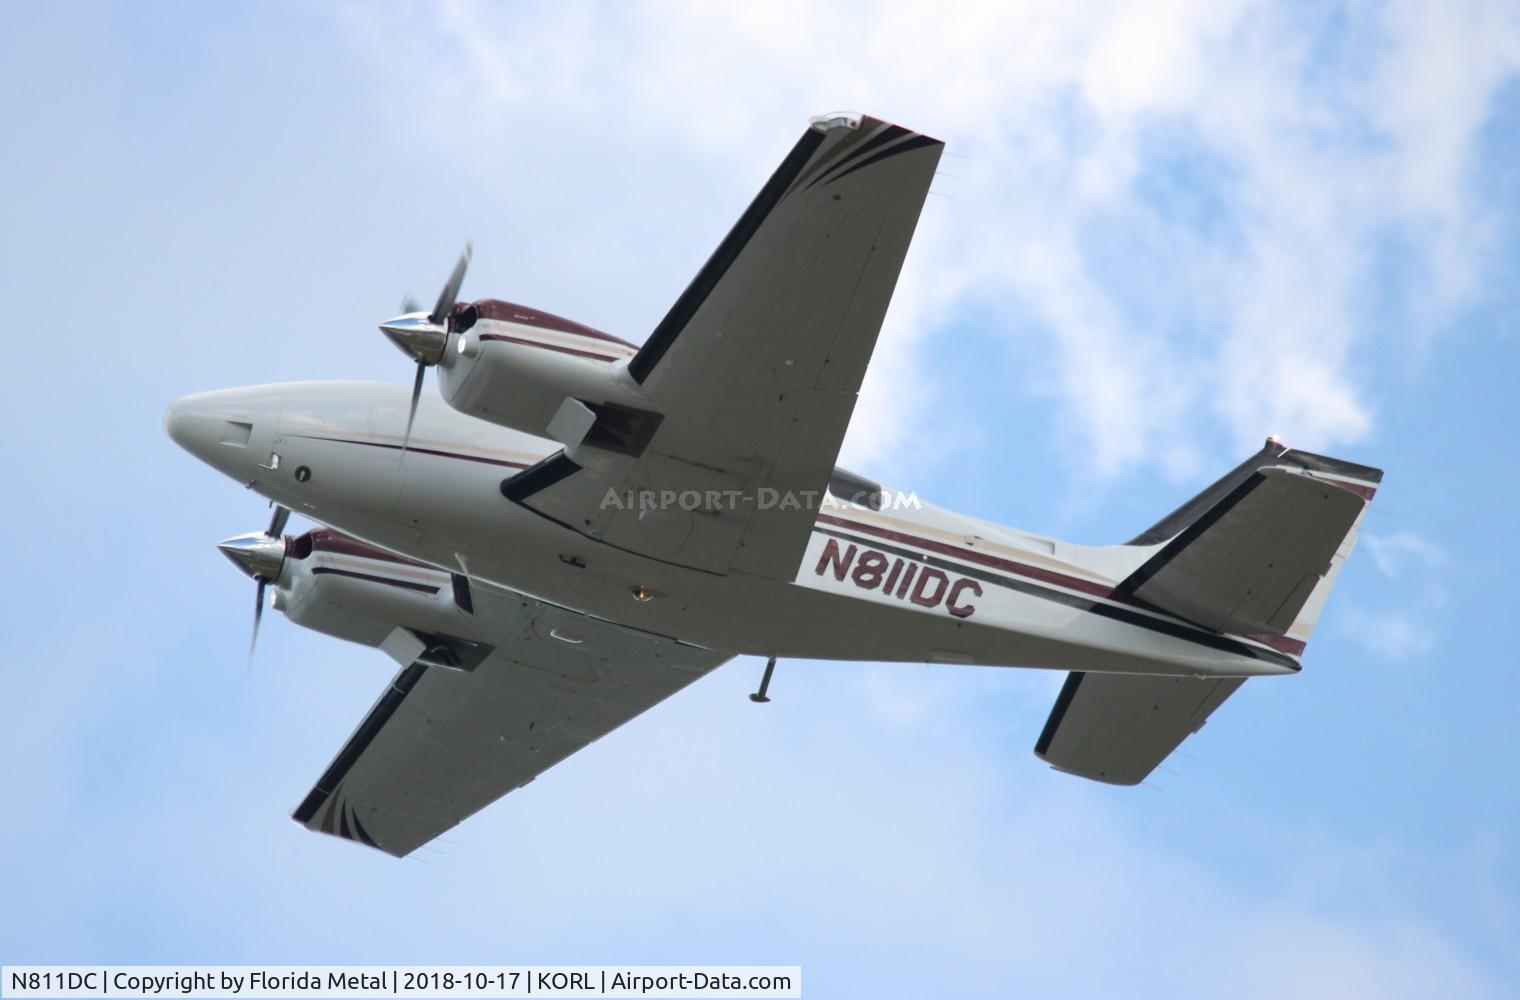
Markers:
(1160, 236)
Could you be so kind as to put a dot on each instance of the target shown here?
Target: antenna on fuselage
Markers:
(759, 697)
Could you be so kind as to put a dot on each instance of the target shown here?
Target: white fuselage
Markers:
(903, 584)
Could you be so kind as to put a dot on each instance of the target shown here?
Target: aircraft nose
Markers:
(197, 424)
(225, 428)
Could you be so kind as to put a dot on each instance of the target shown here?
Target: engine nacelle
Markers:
(544, 375)
(346, 588)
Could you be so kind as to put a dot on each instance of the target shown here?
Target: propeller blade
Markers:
(258, 615)
(410, 305)
(277, 522)
(416, 397)
(450, 291)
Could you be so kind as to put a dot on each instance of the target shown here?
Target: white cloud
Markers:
(1398, 553)
(1327, 130)
(1406, 624)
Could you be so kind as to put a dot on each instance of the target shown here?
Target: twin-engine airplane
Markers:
(583, 526)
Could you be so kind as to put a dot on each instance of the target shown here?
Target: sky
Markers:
(1160, 233)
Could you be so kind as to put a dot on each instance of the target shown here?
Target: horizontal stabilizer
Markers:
(1250, 562)
(1116, 728)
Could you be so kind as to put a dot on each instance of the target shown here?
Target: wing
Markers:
(1116, 728)
(444, 742)
(752, 376)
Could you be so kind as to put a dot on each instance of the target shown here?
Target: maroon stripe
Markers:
(423, 451)
(986, 559)
(1365, 492)
(548, 347)
(511, 312)
(1280, 643)
(327, 540)
(370, 578)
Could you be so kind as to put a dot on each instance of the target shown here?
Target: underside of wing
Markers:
(1116, 728)
(444, 741)
(752, 377)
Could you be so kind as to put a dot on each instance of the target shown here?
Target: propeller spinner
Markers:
(424, 336)
(261, 555)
